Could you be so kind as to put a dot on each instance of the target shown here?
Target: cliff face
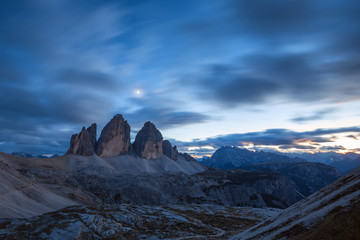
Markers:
(83, 143)
(149, 142)
(170, 151)
(115, 138)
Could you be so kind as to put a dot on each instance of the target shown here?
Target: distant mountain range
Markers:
(307, 176)
(343, 162)
(28, 155)
(324, 157)
(233, 157)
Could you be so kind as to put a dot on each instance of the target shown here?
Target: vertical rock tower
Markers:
(115, 138)
(170, 151)
(149, 142)
(84, 143)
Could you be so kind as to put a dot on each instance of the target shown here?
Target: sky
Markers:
(280, 74)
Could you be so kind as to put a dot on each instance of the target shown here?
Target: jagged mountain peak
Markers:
(83, 143)
(114, 140)
(149, 142)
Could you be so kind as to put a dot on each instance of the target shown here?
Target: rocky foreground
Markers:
(136, 222)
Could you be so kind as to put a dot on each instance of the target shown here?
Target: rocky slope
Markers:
(126, 179)
(308, 176)
(229, 188)
(23, 197)
(331, 213)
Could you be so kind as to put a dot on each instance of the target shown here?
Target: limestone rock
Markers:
(169, 151)
(149, 142)
(115, 138)
(188, 157)
(83, 143)
(92, 133)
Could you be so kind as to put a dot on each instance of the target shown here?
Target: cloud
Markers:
(55, 71)
(289, 51)
(283, 138)
(332, 148)
(89, 79)
(318, 115)
(352, 136)
(165, 118)
(163, 112)
(263, 78)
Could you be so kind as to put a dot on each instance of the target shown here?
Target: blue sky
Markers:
(262, 74)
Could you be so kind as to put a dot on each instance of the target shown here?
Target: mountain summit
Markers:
(148, 142)
(115, 140)
(83, 143)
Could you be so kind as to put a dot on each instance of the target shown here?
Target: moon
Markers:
(138, 93)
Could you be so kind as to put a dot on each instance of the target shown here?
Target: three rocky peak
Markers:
(114, 140)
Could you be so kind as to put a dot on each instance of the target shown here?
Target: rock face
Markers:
(149, 142)
(83, 143)
(308, 176)
(92, 133)
(115, 138)
(170, 151)
(187, 157)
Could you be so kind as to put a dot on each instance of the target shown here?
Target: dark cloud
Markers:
(297, 146)
(331, 148)
(352, 136)
(164, 113)
(297, 51)
(283, 138)
(273, 17)
(318, 115)
(260, 78)
(52, 79)
(165, 118)
(93, 80)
